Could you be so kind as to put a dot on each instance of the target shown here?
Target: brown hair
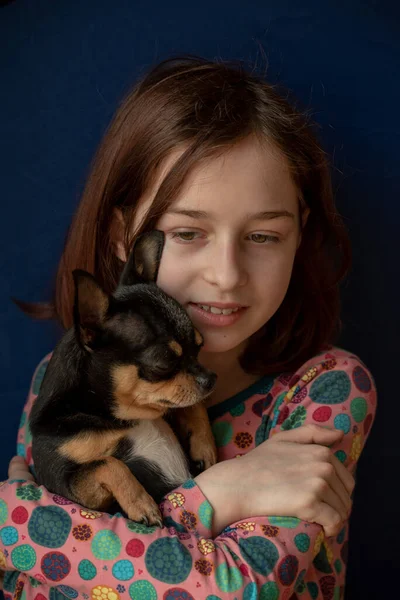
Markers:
(206, 107)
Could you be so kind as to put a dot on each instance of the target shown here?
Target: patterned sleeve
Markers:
(50, 546)
(335, 391)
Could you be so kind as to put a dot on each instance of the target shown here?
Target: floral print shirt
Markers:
(53, 548)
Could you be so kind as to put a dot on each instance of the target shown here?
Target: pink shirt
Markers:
(52, 548)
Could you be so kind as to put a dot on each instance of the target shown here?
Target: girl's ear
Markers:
(304, 216)
(117, 231)
(303, 220)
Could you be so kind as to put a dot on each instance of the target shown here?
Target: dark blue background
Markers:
(65, 66)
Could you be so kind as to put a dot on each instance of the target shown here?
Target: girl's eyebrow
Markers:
(264, 215)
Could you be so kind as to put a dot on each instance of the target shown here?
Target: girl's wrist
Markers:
(219, 485)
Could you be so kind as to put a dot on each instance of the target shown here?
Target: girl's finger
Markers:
(332, 499)
(329, 518)
(345, 476)
(309, 434)
(341, 494)
(18, 469)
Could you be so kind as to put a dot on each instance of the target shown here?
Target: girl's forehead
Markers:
(247, 175)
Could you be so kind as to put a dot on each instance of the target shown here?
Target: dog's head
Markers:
(140, 340)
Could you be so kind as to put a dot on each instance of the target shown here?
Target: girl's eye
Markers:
(184, 236)
(262, 238)
(258, 238)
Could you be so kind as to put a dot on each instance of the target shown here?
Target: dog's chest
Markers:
(155, 442)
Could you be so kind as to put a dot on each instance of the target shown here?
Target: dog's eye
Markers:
(161, 362)
(162, 371)
(163, 368)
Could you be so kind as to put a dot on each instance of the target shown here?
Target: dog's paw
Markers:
(203, 452)
(145, 510)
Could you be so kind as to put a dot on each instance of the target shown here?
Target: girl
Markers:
(254, 251)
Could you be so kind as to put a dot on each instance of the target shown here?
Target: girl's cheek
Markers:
(170, 278)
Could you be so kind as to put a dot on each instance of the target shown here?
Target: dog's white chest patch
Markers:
(156, 442)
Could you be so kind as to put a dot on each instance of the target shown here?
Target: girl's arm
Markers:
(50, 544)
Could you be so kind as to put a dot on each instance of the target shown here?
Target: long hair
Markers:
(206, 107)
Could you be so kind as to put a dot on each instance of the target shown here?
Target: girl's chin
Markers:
(223, 344)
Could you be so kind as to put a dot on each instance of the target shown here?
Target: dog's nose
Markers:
(206, 381)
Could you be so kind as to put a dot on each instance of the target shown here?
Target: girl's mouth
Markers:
(209, 315)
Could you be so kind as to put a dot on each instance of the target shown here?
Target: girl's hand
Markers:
(292, 474)
(18, 469)
(295, 474)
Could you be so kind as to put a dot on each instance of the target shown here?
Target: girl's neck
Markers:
(232, 379)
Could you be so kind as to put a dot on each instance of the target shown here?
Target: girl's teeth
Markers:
(218, 311)
(229, 311)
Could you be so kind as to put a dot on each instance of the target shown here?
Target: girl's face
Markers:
(231, 239)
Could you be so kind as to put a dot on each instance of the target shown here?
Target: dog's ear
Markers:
(90, 306)
(144, 260)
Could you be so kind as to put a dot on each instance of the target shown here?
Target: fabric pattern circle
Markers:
(68, 591)
(361, 380)
(322, 414)
(238, 410)
(135, 548)
(140, 528)
(269, 591)
(261, 554)
(288, 522)
(19, 515)
(206, 514)
(9, 535)
(177, 594)
(287, 569)
(87, 570)
(167, 560)
(23, 557)
(313, 589)
(223, 432)
(262, 430)
(55, 566)
(49, 526)
(302, 542)
(261, 405)
(342, 422)
(189, 484)
(341, 455)
(327, 585)
(123, 570)
(29, 492)
(358, 409)
(104, 592)
(106, 545)
(142, 590)
(250, 591)
(229, 579)
(331, 388)
(296, 419)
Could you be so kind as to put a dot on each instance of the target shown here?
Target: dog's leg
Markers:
(192, 423)
(96, 484)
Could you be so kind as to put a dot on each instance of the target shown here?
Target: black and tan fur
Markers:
(119, 420)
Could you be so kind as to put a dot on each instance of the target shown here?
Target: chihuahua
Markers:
(120, 419)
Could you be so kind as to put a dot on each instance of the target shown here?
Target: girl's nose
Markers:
(225, 268)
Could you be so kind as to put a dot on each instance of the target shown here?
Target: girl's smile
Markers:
(209, 314)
